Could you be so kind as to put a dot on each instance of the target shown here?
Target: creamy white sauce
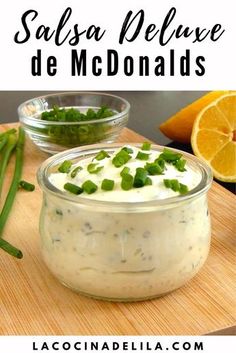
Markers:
(156, 191)
(119, 255)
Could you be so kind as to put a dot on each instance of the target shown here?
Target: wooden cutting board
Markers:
(32, 302)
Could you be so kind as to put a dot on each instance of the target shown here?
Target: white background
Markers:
(15, 59)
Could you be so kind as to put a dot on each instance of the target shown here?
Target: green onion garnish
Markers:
(148, 181)
(175, 186)
(173, 158)
(169, 156)
(75, 171)
(89, 187)
(26, 186)
(183, 188)
(146, 146)
(127, 182)
(140, 177)
(180, 165)
(93, 169)
(107, 184)
(124, 171)
(101, 155)
(160, 162)
(127, 149)
(65, 167)
(142, 156)
(74, 189)
(167, 183)
(154, 169)
(121, 158)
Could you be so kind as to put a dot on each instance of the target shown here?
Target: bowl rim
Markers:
(129, 207)
(24, 118)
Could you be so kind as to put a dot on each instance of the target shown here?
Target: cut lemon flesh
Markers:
(214, 137)
(179, 126)
(227, 106)
(224, 162)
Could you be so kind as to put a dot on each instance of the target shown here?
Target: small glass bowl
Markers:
(54, 137)
(123, 251)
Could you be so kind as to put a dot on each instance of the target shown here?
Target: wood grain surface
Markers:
(32, 302)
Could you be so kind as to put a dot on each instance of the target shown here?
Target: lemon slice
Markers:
(179, 126)
(213, 137)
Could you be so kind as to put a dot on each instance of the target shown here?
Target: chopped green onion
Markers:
(142, 156)
(104, 112)
(65, 167)
(91, 114)
(160, 162)
(79, 134)
(173, 158)
(121, 158)
(127, 182)
(101, 155)
(26, 186)
(148, 181)
(169, 156)
(74, 189)
(75, 171)
(167, 183)
(175, 186)
(172, 184)
(124, 171)
(180, 165)
(146, 146)
(153, 169)
(73, 114)
(10, 249)
(127, 149)
(89, 187)
(140, 177)
(93, 169)
(183, 188)
(107, 184)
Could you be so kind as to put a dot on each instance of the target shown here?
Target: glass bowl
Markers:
(54, 137)
(123, 251)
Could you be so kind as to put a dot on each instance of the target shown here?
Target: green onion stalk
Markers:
(3, 142)
(11, 196)
(4, 137)
(6, 133)
(6, 154)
